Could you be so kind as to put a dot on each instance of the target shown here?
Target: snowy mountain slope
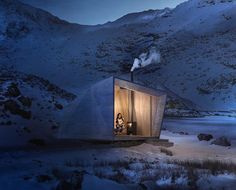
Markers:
(196, 49)
(30, 108)
(139, 17)
(196, 40)
(199, 53)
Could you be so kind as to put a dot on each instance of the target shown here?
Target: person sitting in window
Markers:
(120, 124)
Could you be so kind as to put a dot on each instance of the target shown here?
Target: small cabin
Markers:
(116, 109)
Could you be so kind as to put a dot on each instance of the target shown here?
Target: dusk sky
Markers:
(98, 11)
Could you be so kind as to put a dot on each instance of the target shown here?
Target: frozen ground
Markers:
(215, 125)
(189, 147)
(189, 164)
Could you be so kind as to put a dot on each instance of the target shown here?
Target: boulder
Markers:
(14, 108)
(72, 181)
(221, 141)
(25, 101)
(13, 90)
(43, 178)
(63, 184)
(183, 133)
(204, 137)
(37, 142)
(58, 106)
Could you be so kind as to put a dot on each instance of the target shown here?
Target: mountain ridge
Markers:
(197, 52)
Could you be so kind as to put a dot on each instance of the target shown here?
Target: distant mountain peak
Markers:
(203, 3)
(140, 17)
(14, 8)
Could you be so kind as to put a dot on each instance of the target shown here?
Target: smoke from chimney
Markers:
(144, 59)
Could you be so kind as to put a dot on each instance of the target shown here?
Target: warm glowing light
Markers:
(129, 124)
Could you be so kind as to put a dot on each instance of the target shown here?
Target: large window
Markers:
(134, 109)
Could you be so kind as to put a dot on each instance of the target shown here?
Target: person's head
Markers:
(119, 116)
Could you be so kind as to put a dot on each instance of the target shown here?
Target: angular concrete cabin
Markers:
(94, 116)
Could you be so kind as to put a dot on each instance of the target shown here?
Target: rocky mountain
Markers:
(139, 17)
(30, 108)
(196, 40)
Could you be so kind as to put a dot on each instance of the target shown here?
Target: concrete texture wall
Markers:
(93, 116)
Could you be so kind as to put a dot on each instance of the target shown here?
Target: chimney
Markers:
(132, 76)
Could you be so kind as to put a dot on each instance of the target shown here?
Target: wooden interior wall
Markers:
(121, 103)
(142, 113)
(147, 112)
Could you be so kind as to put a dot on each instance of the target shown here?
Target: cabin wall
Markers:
(93, 116)
(158, 113)
(142, 113)
(154, 102)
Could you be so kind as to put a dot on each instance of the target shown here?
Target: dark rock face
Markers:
(58, 106)
(14, 108)
(13, 90)
(17, 29)
(204, 137)
(37, 142)
(43, 178)
(25, 101)
(73, 182)
(55, 127)
(28, 110)
(63, 184)
(222, 141)
(46, 85)
(182, 133)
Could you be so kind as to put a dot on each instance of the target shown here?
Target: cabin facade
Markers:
(116, 109)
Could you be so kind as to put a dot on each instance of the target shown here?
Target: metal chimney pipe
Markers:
(132, 96)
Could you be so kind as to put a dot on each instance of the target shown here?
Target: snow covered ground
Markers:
(215, 125)
(144, 166)
(189, 147)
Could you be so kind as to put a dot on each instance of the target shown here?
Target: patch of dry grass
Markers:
(214, 166)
